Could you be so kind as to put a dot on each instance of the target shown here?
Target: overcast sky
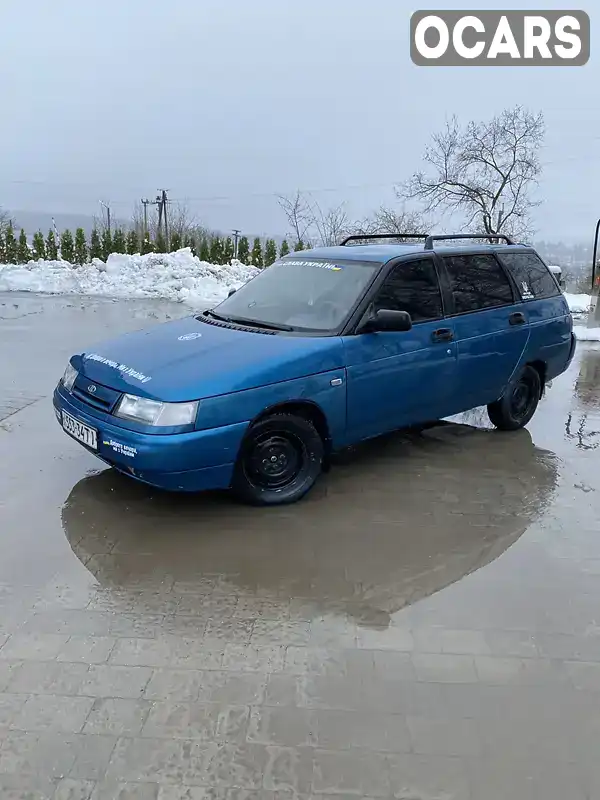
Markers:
(244, 99)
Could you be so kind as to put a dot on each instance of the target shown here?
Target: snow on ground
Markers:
(579, 303)
(587, 334)
(176, 276)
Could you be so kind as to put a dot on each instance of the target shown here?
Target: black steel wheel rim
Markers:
(274, 460)
(523, 397)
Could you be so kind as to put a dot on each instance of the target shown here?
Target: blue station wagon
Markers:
(323, 349)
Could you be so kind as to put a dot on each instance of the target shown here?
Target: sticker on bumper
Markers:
(120, 448)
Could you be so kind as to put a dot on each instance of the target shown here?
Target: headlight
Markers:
(69, 378)
(152, 412)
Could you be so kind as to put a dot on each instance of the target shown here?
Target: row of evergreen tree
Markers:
(78, 250)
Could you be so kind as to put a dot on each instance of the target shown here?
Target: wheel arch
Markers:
(542, 369)
(307, 409)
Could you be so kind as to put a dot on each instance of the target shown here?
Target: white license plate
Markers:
(83, 433)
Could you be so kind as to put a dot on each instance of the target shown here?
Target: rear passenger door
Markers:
(402, 378)
(491, 326)
(546, 307)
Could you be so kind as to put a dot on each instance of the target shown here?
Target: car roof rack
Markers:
(429, 240)
(375, 236)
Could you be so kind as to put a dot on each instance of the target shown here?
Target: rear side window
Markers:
(412, 286)
(532, 276)
(477, 281)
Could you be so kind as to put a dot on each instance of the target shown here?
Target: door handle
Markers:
(517, 318)
(442, 335)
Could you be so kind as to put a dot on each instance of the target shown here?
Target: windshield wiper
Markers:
(214, 315)
(255, 323)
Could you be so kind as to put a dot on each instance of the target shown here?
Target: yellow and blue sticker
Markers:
(120, 448)
(318, 264)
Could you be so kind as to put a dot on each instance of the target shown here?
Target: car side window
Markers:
(412, 286)
(477, 282)
(533, 278)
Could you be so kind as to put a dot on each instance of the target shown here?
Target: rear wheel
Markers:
(519, 403)
(279, 461)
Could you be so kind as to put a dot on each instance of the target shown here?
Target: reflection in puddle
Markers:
(396, 520)
(583, 424)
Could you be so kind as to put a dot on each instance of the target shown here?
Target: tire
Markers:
(280, 460)
(519, 403)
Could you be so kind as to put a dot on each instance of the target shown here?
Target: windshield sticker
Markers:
(123, 368)
(318, 264)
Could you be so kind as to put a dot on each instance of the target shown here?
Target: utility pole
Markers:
(146, 203)
(107, 207)
(500, 217)
(236, 236)
(162, 201)
(593, 286)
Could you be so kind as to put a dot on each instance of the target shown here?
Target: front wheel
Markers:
(519, 403)
(279, 461)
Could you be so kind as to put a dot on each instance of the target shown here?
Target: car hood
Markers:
(189, 360)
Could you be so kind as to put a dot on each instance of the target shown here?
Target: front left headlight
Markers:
(153, 412)
(70, 376)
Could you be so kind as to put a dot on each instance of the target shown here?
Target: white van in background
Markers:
(557, 272)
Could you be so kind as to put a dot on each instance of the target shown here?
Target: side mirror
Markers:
(387, 320)
(230, 292)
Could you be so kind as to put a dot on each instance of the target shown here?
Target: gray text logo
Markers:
(500, 38)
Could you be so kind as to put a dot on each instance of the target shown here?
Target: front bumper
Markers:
(186, 462)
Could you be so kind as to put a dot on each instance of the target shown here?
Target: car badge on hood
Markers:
(188, 337)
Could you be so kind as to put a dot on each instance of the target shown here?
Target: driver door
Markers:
(397, 379)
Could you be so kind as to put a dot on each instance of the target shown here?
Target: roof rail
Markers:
(431, 239)
(373, 236)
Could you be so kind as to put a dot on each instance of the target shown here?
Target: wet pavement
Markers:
(425, 626)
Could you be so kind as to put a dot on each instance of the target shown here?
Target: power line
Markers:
(218, 198)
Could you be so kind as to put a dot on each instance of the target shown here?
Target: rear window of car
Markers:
(533, 278)
(477, 282)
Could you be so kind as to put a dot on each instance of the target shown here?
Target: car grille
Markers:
(95, 394)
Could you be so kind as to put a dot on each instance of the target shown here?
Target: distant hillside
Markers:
(32, 221)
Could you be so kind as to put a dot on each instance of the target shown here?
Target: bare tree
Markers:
(485, 171)
(392, 221)
(299, 214)
(5, 220)
(330, 225)
(137, 220)
(311, 222)
(181, 219)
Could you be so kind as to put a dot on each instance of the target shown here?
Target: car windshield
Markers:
(300, 294)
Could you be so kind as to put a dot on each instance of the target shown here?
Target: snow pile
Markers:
(179, 276)
(579, 303)
(587, 334)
